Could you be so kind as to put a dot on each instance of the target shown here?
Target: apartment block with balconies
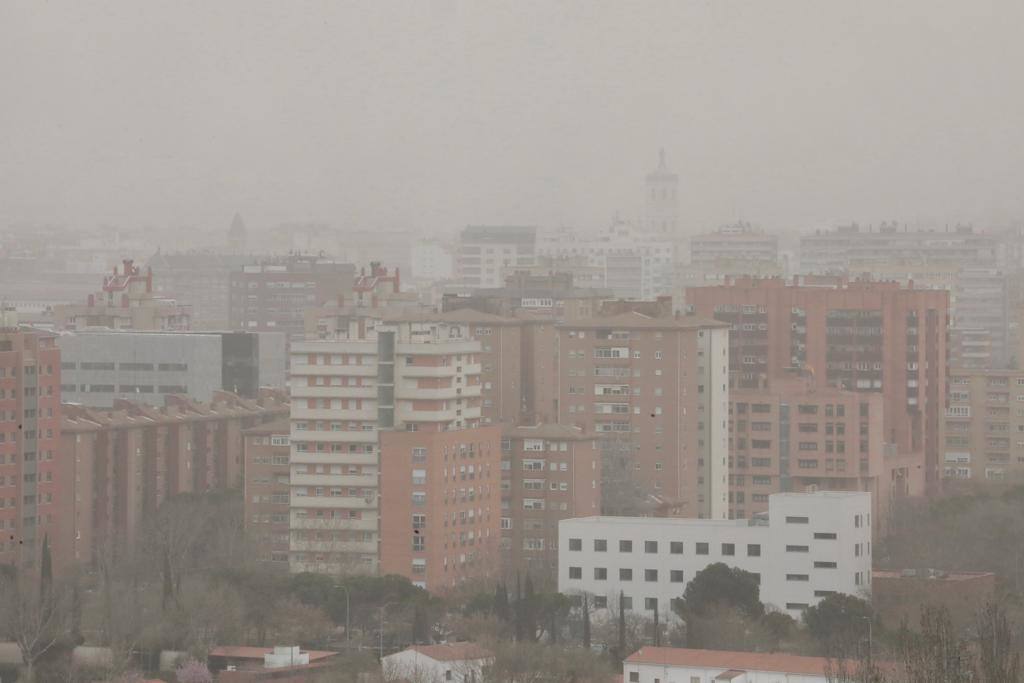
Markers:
(404, 374)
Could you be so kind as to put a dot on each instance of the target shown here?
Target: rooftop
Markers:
(452, 652)
(634, 320)
(730, 662)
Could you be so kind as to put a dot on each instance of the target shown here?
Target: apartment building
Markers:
(266, 490)
(440, 512)
(126, 302)
(656, 664)
(547, 294)
(964, 261)
(984, 425)
(99, 367)
(793, 436)
(30, 488)
(486, 254)
(738, 249)
(271, 295)
(863, 336)
(418, 376)
(549, 472)
(200, 280)
(656, 393)
(810, 546)
(120, 464)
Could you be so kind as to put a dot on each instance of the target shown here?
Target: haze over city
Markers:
(521, 342)
(433, 115)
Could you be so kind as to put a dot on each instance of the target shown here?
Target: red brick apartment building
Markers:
(440, 520)
(30, 488)
(119, 465)
(863, 336)
(549, 472)
(796, 436)
(655, 391)
(266, 490)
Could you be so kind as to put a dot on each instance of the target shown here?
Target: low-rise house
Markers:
(443, 663)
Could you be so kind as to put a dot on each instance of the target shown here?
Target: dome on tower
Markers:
(661, 173)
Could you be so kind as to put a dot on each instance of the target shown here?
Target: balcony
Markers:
(445, 393)
(334, 370)
(348, 436)
(299, 392)
(336, 414)
(325, 524)
(334, 458)
(334, 546)
(327, 502)
(361, 480)
(441, 348)
(426, 370)
(333, 346)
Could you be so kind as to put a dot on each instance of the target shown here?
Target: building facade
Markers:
(984, 425)
(266, 490)
(549, 472)
(31, 489)
(812, 545)
(487, 254)
(100, 367)
(373, 376)
(440, 512)
(121, 464)
(655, 391)
(271, 295)
(872, 337)
(657, 664)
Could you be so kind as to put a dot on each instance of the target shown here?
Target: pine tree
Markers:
(501, 609)
(622, 625)
(586, 622)
(519, 616)
(657, 629)
(46, 569)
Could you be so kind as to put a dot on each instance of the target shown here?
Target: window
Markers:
(600, 602)
(650, 575)
(676, 576)
(600, 545)
(676, 547)
(625, 574)
(634, 677)
(419, 454)
(797, 520)
(796, 605)
(625, 546)
(797, 548)
(797, 577)
(651, 604)
(575, 572)
(728, 549)
(650, 546)
(702, 548)
(825, 565)
(575, 544)
(753, 550)
(824, 536)
(600, 574)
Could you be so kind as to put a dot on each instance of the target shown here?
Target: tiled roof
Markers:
(451, 652)
(727, 660)
(634, 320)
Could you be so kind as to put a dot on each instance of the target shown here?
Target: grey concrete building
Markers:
(102, 365)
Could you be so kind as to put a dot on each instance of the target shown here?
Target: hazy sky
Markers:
(436, 114)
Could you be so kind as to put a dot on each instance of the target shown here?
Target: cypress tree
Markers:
(586, 622)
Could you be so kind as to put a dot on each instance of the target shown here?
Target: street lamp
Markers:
(348, 613)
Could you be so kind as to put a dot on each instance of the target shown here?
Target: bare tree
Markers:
(34, 616)
(998, 657)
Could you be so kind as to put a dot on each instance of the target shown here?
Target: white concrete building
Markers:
(811, 545)
(443, 663)
(432, 261)
(488, 253)
(680, 665)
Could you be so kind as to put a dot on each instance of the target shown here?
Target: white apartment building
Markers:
(811, 545)
(487, 253)
(373, 375)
